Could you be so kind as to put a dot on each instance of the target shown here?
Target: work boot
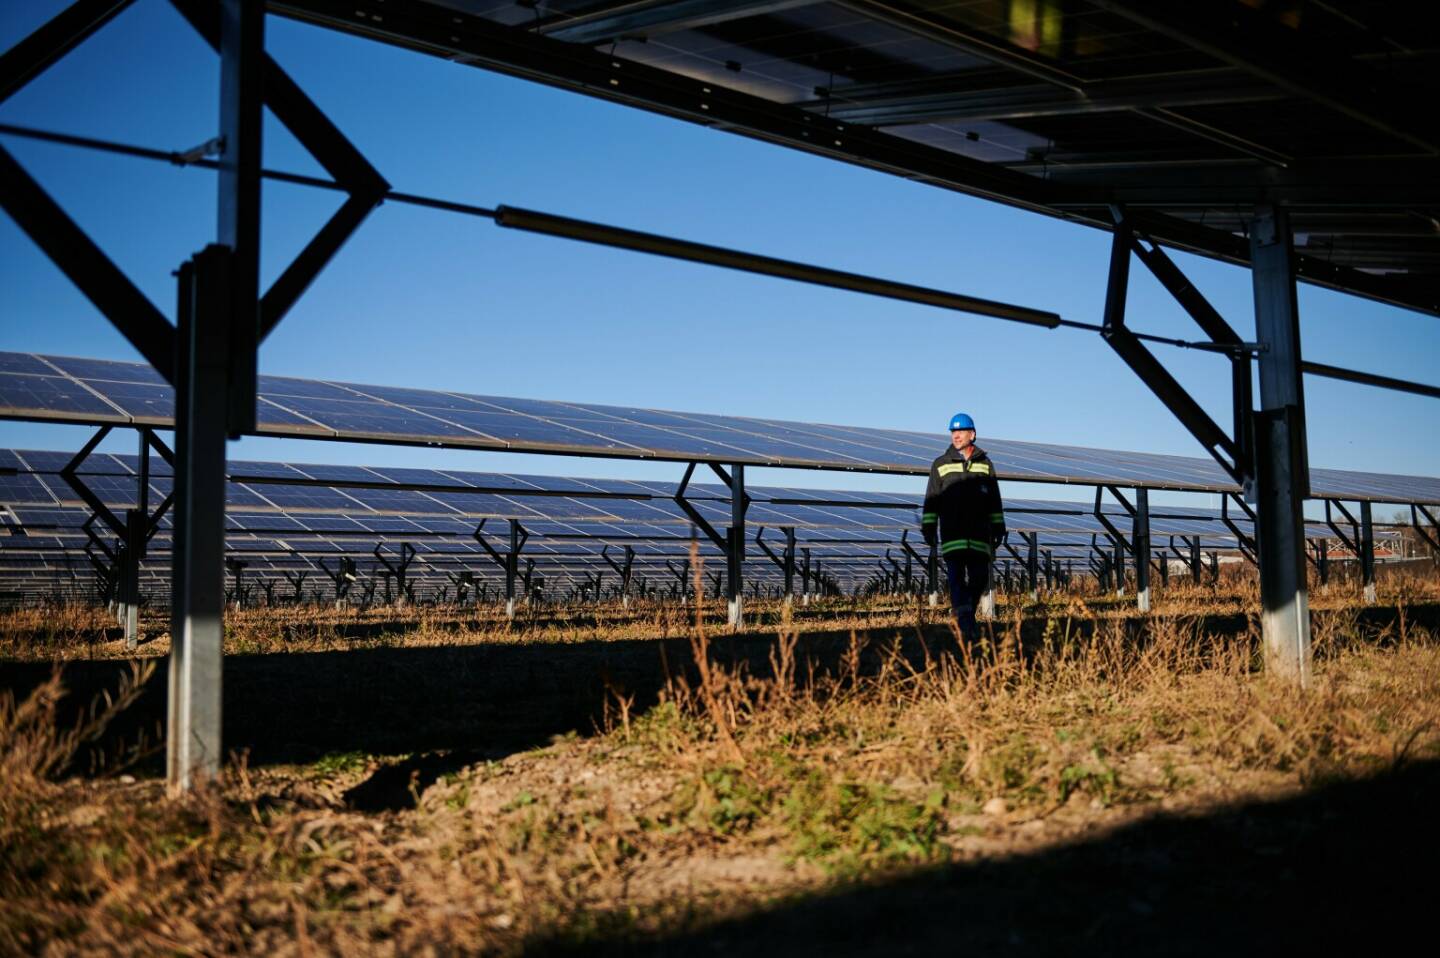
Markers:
(965, 618)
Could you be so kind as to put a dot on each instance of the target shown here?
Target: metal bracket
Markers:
(1230, 450)
(1352, 544)
(1431, 536)
(1246, 542)
(1111, 530)
(721, 542)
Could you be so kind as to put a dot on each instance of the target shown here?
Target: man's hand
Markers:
(927, 532)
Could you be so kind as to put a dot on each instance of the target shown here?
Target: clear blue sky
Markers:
(430, 299)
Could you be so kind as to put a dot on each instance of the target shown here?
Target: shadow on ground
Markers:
(448, 706)
(479, 701)
(1346, 868)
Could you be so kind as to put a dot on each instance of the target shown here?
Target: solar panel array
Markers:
(1191, 112)
(102, 392)
(288, 517)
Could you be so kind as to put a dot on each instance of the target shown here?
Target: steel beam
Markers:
(1152, 373)
(59, 35)
(655, 244)
(652, 18)
(947, 98)
(1281, 457)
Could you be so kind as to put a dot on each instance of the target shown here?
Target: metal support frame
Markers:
(682, 577)
(508, 561)
(1319, 556)
(1431, 536)
(806, 576)
(622, 569)
(1191, 555)
(929, 562)
(1282, 473)
(133, 531)
(1245, 542)
(342, 577)
(785, 561)
(1029, 562)
(1230, 451)
(1360, 542)
(297, 582)
(207, 311)
(1138, 543)
(209, 355)
(1140, 538)
(236, 568)
(732, 543)
(400, 570)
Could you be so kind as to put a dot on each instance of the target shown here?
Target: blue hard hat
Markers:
(961, 420)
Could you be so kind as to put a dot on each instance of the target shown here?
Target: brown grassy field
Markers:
(847, 779)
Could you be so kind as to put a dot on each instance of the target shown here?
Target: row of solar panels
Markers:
(43, 501)
(47, 541)
(99, 392)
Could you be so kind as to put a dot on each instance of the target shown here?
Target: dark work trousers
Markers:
(969, 574)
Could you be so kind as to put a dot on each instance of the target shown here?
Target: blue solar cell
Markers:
(400, 500)
(24, 363)
(104, 370)
(283, 388)
(35, 397)
(24, 489)
(318, 498)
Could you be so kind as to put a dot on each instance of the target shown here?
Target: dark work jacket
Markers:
(964, 498)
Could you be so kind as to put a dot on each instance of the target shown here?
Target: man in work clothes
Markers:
(963, 500)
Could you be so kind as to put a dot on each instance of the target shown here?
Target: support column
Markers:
(217, 330)
(197, 630)
(1140, 542)
(130, 553)
(735, 555)
(1032, 563)
(1367, 550)
(1282, 470)
(789, 557)
(1117, 563)
(512, 568)
(805, 574)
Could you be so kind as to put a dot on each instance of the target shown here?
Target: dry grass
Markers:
(749, 782)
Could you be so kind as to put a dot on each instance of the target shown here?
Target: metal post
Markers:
(1140, 542)
(735, 555)
(789, 557)
(805, 577)
(1367, 551)
(193, 741)
(1282, 471)
(512, 564)
(1117, 564)
(135, 522)
(1196, 567)
(1032, 563)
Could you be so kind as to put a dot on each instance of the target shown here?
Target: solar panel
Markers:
(296, 407)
